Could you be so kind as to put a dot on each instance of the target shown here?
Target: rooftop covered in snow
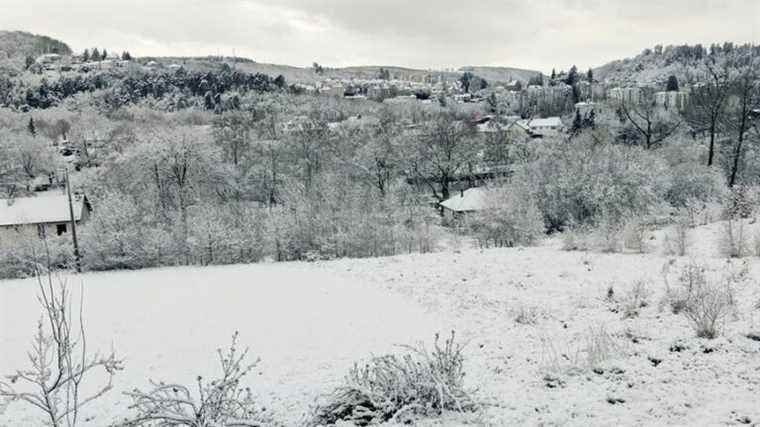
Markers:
(47, 209)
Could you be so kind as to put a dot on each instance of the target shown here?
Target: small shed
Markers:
(47, 214)
(467, 201)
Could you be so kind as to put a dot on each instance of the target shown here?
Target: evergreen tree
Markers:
(104, 55)
(572, 76)
(577, 122)
(31, 128)
(493, 103)
(590, 75)
(280, 81)
(554, 74)
(672, 85)
(86, 55)
(126, 56)
(95, 54)
(28, 62)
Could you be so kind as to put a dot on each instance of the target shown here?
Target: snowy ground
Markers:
(529, 316)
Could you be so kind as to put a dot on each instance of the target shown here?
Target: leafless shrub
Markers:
(576, 239)
(733, 240)
(594, 348)
(420, 382)
(705, 298)
(607, 236)
(61, 364)
(525, 315)
(221, 402)
(677, 239)
(599, 347)
(634, 236)
(636, 299)
(756, 244)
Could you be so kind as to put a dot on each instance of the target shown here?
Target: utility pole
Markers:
(77, 261)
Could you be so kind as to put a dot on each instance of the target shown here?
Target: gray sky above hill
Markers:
(416, 33)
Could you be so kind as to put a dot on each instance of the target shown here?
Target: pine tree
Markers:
(572, 76)
(86, 55)
(104, 56)
(590, 75)
(672, 85)
(554, 74)
(31, 127)
(95, 54)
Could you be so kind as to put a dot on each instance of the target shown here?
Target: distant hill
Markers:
(653, 66)
(502, 74)
(22, 44)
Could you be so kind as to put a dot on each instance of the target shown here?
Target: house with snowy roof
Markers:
(466, 202)
(48, 215)
(538, 128)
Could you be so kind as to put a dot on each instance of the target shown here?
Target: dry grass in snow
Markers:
(552, 337)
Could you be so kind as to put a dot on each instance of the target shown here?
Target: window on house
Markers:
(60, 229)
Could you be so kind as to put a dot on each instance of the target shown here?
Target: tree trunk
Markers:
(711, 151)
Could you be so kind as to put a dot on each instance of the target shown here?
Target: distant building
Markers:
(48, 215)
(629, 95)
(538, 128)
(467, 201)
(675, 100)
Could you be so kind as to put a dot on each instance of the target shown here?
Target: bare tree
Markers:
(232, 131)
(649, 121)
(707, 103)
(443, 152)
(744, 100)
(60, 360)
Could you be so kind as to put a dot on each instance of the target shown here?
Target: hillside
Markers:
(502, 74)
(21, 44)
(306, 75)
(653, 66)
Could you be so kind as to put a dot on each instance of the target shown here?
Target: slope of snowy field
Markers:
(532, 319)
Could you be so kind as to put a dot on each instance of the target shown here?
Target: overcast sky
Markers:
(416, 33)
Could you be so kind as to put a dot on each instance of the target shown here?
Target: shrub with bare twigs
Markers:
(222, 402)
(704, 297)
(62, 366)
(420, 382)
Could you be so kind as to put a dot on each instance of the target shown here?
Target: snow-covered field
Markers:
(528, 315)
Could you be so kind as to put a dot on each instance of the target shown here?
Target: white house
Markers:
(467, 201)
(48, 215)
(538, 128)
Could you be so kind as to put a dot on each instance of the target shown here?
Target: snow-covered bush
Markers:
(22, 251)
(511, 218)
(733, 241)
(115, 236)
(636, 299)
(223, 401)
(392, 387)
(689, 180)
(677, 237)
(576, 239)
(705, 297)
(64, 375)
(635, 235)
(579, 181)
